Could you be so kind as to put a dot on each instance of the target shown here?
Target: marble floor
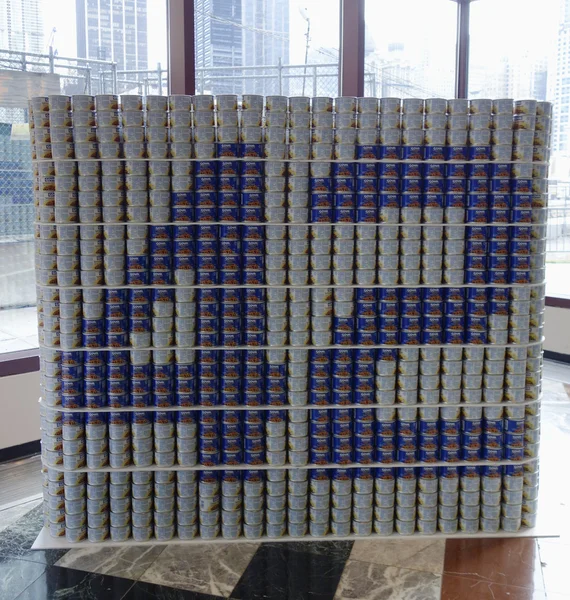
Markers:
(407, 569)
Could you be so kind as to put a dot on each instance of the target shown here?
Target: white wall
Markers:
(20, 411)
(557, 330)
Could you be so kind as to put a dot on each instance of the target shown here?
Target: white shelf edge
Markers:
(45, 542)
(328, 347)
(308, 467)
(269, 224)
(301, 160)
(267, 407)
(287, 286)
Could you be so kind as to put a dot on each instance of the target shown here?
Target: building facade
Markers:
(240, 33)
(21, 25)
(113, 30)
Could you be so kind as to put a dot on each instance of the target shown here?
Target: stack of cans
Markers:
(312, 316)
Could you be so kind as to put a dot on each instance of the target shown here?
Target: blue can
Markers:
(412, 186)
(389, 185)
(436, 170)
(371, 152)
(499, 169)
(414, 153)
(456, 153)
(522, 200)
(435, 153)
(454, 200)
(479, 186)
(479, 152)
(346, 169)
(382, 152)
(456, 171)
(388, 200)
(497, 200)
(373, 170)
(415, 169)
(475, 170)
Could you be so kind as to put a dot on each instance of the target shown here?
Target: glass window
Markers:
(55, 29)
(410, 48)
(288, 47)
(529, 58)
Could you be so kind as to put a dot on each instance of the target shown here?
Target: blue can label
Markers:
(347, 200)
(346, 169)
(497, 200)
(252, 168)
(436, 170)
(435, 153)
(413, 153)
(430, 428)
(477, 170)
(456, 153)
(382, 170)
(433, 200)
(456, 171)
(499, 169)
(522, 186)
(229, 199)
(413, 170)
(367, 185)
(388, 200)
(434, 186)
(454, 200)
(205, 214)
(248, 150)
(383, 152)
(410, 309)
(389, 185)
(455, 186)
(205, 183)
(479, 186)
(410, 186)
(411, 200)
(479, 152)
(514, 426)
(370, 152)
(522, 200)
(344, 185)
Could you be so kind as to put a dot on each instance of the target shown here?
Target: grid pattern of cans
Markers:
(307, 225)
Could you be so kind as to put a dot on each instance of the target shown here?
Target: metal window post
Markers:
(181, 49)
(462, 49)
(352, 47)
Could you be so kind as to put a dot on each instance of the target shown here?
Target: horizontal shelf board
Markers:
(265, 467)
(328, 347)
(301, 160)
(310, 286)
(278, 407)
(45, 542)
(268, 224)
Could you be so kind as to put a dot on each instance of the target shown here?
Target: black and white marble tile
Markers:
(150, 591)
(17, 539)
(9, 516)
(294, 571)
(416, 554)
(69, 584)
(366, 581)
(129, 561)
(207, 568)
(16, 575)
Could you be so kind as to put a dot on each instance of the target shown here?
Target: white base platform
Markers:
(45, 542)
